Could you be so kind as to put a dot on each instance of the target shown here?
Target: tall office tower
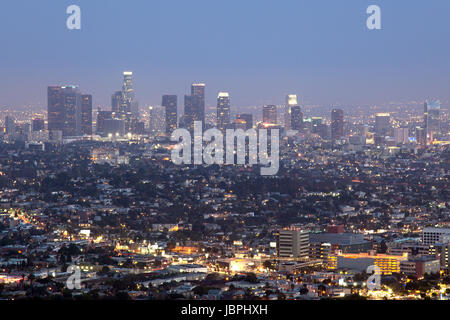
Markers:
(127, 91)
(135, 110)
(129, 108)
(23, 132)
(86, 114)
(194, 106)
(169, 102)
(157, 121)
(190, 111)
(102, 116)
(223, 111)
(324, 131)
(198, 90)
(421, 137)
(364, 130)
(10, 125)
(270, 114)
(296, 118)
(55, 108)
(432, 119)
(116, 101)
(72, 125)
(37, 125)
(64, 110)
(291, 101)
(293, 243)
(316, 123)
(382, 124)
(247, 118)
(307, 125)
(401, 135)
(337, 124)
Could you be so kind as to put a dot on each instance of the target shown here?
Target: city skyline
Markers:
(114, 101)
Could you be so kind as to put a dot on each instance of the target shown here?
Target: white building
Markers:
(293, 243)
(401, 135)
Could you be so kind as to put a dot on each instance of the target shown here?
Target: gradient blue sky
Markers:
(257, 50)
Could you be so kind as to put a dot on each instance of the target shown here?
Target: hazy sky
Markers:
(257, 50)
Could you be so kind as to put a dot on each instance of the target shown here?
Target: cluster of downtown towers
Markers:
(70, 112)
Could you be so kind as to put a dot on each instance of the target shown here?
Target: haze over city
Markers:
(257, 50)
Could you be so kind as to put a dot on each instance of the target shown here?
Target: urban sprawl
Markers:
(357, 190)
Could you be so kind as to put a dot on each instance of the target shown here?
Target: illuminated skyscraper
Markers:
(169, 102)
(127, 91)
(296, 116)
(382, 124)
(116, 101)
(421, 138)
(55, 108)
(401, 135)
(102, 116)
(194, 105)
(129, 108)
(10, 125)
(157, 120)
(86, 114)
(432, 119)
(198, 90)
(337, 124)
(190, 111)
(316, 123)
(291, 101)
(223, 111)
(64, 110)
(270, 114)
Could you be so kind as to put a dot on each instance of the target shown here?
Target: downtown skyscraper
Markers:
(124, 105)
(382, 124)
(169, 102)
(86, 114)
(432, 119)
(270, 114)
(194, 105)
(291, 101)
(127, 92)
(66, 109)
(337, 124)
(10, 125)
(296, 118)
(116, 101)
(223, 111)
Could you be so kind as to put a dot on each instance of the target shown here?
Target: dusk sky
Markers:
(257, 50)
